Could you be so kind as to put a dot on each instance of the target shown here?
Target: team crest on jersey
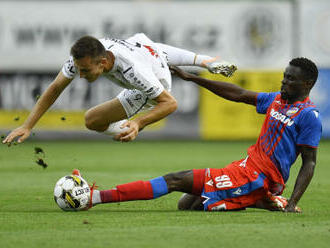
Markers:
(292, 111)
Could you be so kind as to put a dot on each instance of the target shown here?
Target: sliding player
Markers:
(292, 126)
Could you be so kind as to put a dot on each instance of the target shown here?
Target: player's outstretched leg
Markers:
(146, 190)
(181, 57)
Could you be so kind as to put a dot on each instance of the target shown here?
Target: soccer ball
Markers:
(72, 193)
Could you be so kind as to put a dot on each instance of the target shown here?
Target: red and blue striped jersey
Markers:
(286, 127)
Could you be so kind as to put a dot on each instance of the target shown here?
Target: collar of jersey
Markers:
(297, 102)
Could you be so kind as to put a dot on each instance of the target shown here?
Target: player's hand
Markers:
(180, 73)
(290, 208)
(129, 134)
(22, 132)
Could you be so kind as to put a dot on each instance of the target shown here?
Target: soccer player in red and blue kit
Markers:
(292, 126)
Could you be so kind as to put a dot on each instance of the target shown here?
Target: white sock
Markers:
(114, 128)
(178, 56)
(96, 198)
(202, 58)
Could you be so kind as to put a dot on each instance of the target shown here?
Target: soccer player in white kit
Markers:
(137, 64)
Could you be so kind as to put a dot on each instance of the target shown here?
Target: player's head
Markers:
(299, 78)
(89, 57)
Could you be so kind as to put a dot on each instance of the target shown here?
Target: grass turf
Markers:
(30, 218)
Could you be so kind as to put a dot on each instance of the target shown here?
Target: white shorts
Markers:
(134, 101)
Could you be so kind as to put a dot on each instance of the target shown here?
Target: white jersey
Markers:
(139, 64)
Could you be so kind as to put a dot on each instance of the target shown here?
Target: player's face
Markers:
(89, 68)
(293, 85)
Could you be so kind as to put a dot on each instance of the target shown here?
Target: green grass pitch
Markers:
(30, 218)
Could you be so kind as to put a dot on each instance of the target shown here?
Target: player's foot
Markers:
(277, 202)
(115, 128)
(220, 67)
(76, 172)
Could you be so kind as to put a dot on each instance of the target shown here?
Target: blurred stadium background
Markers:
(259, 36)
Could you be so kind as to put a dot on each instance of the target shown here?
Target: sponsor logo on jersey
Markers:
(292, 111)
(281, 117)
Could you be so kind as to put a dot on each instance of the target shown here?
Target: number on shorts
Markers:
(223, 182)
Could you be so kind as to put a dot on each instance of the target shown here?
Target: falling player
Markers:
(137, 64)
(292, 126)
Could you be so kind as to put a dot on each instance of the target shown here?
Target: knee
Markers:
(173, 181)
(190, 202)
(92, 122)
(179, 181)
(89, 120)
(184, 203)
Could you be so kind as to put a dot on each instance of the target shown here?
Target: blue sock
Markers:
(159, 187)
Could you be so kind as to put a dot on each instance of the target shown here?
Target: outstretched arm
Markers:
(225, 90)
(304, 177)
(44, 102)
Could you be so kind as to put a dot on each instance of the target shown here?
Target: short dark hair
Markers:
(308, 67)
(87, 46)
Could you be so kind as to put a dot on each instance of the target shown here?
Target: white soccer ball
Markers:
(72, 193)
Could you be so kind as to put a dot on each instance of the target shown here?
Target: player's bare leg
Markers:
(106, 117)
(180, 181)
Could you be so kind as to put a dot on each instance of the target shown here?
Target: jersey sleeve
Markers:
(264, 100)
(310, 129)
(68, 69)
(144, 79)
